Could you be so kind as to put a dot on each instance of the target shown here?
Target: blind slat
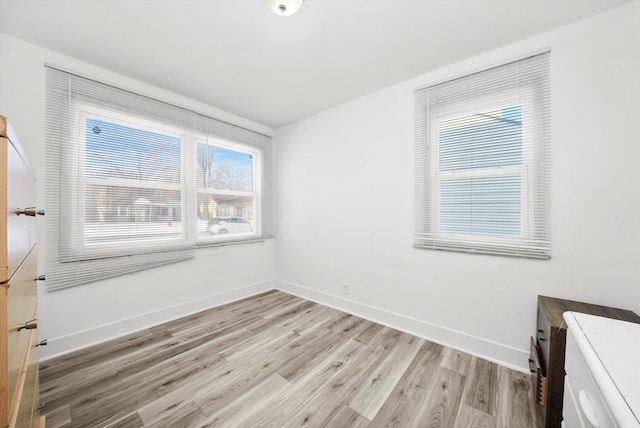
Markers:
(133, 182)
(482, 161)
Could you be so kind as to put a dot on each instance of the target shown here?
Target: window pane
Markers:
(482, 140)
(224, 169)
(220, 215)
(481, 206)
(124, 214)
(115, 151)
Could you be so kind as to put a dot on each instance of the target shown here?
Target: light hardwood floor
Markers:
(276, 360)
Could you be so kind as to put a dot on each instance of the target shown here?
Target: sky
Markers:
(117, 151)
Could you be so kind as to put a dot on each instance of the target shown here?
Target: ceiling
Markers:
(239, 56)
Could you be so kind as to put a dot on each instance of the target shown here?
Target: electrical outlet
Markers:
(345, 288)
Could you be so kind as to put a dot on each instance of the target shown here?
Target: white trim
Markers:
(495, 352)
(58, 346)
(435, 107)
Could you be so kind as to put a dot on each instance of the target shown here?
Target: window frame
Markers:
(256, 155)
(473, 94)
(66, 265)
(489, 102)
(81, 111)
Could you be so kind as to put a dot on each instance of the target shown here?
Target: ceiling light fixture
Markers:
(284, 7)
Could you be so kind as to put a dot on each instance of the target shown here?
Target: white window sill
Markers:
(242, 241)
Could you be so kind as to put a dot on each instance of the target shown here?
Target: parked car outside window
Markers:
(228, 225)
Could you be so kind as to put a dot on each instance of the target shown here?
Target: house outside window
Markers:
(131, 184)
(136, 187)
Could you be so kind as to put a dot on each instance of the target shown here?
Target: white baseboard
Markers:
(496, 352)
(58, 346)
(492, 351)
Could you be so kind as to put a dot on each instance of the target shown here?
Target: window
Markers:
(131, 186)
(134, 183)
(225, 181)
(483, 161)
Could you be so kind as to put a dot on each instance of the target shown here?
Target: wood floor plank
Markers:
(182, 411)
(296, 408)
(350, 326)
(276, 360)
(254, 400)
(345, 416)
(257, 341)
(243, 373)
(139, 355)
(59, 393)
(142, 388)
(337, 391)
(58, 417)
(283, 307)
(386, 340)
(481, 388)
(216, 341)
(218, 387)
(515, 401)
(312, 352)
(254, 305)
(251, 306)
(308, 322)
(457, 361)
(185, 416)
(308, 318)
(218, 322)
(468, 417)
(409, 395)
(101, 359)
(132, 420)
(95, 355)
(383, 378)
(214, 389)
(217, 376)
(441, 406)
(369, 333)
(284, 319)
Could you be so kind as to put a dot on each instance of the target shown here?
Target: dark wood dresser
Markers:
(547, 355)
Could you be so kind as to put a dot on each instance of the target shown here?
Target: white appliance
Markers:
(602, 385)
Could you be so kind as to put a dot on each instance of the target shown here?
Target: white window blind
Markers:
(482, 161)
(134, 182)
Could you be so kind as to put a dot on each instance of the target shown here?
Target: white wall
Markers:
(345, 201)
(82, 315)
(345, 207)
